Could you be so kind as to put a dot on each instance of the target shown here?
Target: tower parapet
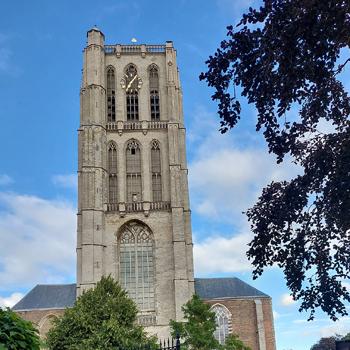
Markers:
(133, 209)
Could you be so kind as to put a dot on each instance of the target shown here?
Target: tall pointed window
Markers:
(132, 84)
(110, 95)
(223, 322)
(133, 172)
(156, 172)
(154, 92)
(137, 264)
(112, 170)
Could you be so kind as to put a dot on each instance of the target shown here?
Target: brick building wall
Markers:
(244, 321)
(41, 319)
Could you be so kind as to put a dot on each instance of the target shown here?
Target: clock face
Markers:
(131, 82)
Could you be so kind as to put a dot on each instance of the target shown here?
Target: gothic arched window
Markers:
(110, 95)
(136, 264)
(154, 92)
(133, 172)
(131, 89)
(112, 172)
(223, 322)
(156, 172)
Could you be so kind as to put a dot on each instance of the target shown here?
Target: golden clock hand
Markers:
(132, 80)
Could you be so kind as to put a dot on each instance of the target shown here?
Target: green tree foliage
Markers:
(16, 333)
(290, 54)
(102, 318)
(326, 343)
(232, 342)
(197, 331)
(329, 343)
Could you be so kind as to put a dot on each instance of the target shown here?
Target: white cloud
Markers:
(67, 181)
(228, 255)
(226, 175)
(37, 241)
(13, 299)
(276, 315)
(227, 181)
(5, 180)
(300, 321)
(342, 327)
(227, 172)
(287, 300)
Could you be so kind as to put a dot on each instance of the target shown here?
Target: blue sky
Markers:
(41, 46)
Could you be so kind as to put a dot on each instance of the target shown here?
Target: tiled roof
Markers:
(59, 296)
(48, 296)
(233, 287)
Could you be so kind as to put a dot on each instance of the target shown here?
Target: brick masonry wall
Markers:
(243, 311)
(42, 319)
(244, 320)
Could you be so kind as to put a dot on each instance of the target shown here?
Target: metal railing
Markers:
(173, 344)
(169, 344)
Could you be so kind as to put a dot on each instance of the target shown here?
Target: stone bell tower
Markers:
(134, 219)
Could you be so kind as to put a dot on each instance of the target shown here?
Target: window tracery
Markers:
(223, 322)
(133, 172)
(156, 172)
(132, 84)
(154, 92)
(112, 172)
(137, 264)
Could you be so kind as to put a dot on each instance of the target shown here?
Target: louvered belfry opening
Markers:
(133, 172)
(112, 173)
(132, 96)
(111, 95)
(154, 92)
(156, 172)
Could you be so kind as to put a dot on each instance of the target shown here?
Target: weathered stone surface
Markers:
(100, 222)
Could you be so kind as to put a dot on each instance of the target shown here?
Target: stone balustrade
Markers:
(144, 125)
(138, 207)
(133, 49)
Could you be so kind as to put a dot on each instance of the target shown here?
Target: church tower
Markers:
(134, 219)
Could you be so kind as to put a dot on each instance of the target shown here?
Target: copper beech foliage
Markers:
(291, 54)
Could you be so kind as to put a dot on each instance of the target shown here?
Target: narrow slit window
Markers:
(112, 172)
(110, 95)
